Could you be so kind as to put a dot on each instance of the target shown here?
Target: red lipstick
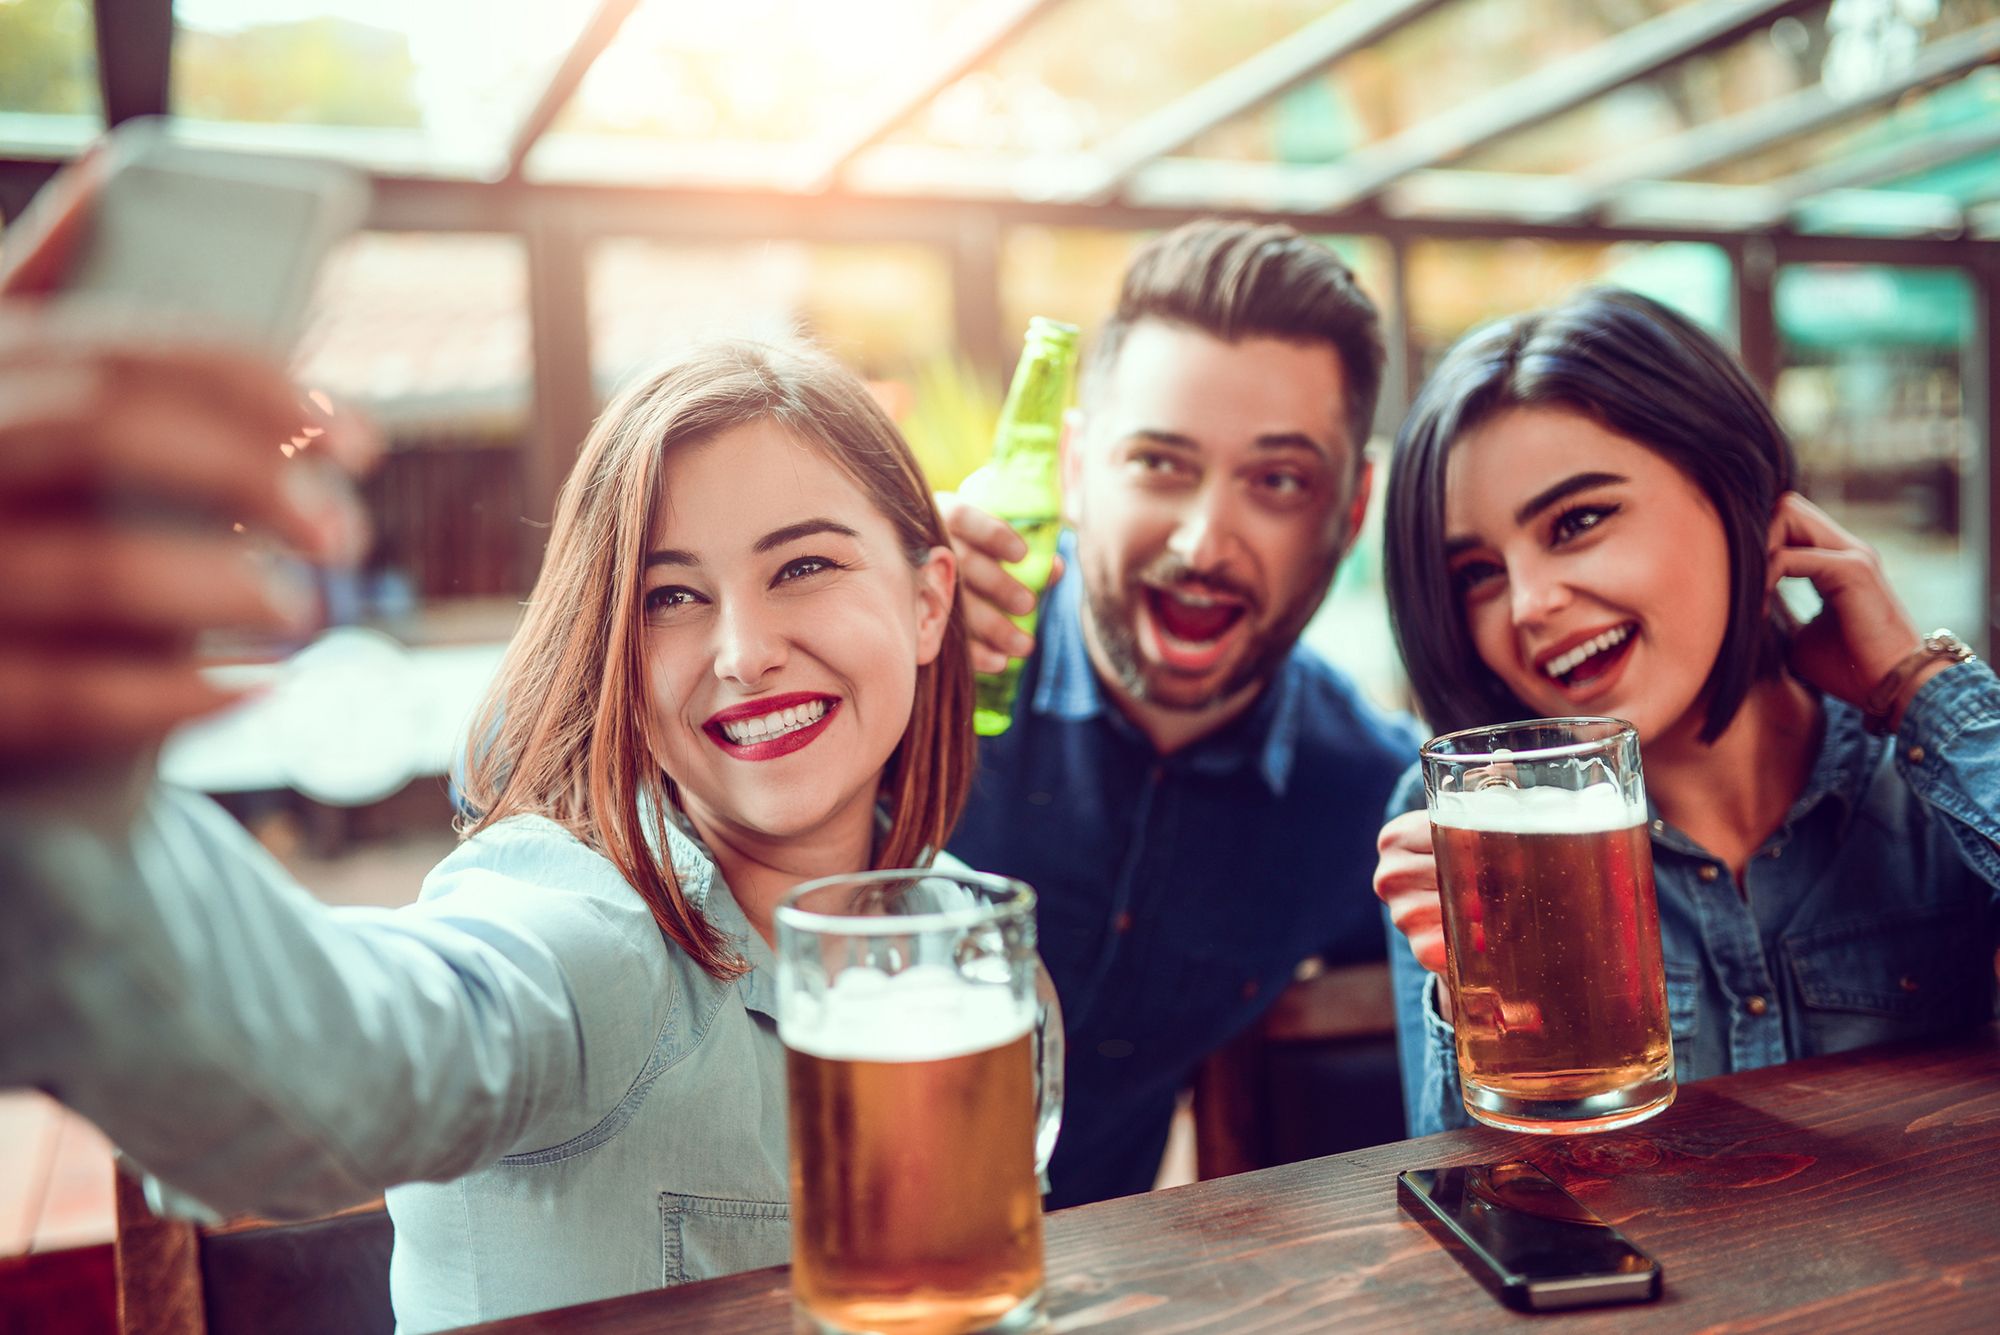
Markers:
(768, 747)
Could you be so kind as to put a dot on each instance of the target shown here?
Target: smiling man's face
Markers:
(1213, 489)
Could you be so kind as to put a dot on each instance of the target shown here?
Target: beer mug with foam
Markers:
(1552, 935)
(924, 1064)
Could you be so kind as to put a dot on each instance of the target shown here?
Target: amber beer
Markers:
(1553, 937)
(928, 1223)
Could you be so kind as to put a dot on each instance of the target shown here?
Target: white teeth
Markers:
(774, 724)
(1563, 664)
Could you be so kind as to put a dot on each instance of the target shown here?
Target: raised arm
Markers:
(1864, 648)
(261, 1052)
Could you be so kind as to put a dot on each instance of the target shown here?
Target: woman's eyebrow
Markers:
(805, 528)
(1569, 486)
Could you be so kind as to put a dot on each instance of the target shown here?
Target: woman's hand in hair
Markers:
(1862, 630)
(1406, 880)
(989, 595)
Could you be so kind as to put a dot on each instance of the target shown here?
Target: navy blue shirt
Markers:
(1177, 893)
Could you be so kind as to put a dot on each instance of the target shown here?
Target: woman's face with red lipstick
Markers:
(784, 626)
(1594, 575)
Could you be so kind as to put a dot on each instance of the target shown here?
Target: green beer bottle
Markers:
(1021, 484)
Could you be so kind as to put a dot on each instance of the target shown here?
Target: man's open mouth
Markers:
(1195, 628)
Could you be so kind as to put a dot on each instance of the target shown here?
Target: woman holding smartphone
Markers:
(1588, 512)
(741, 668)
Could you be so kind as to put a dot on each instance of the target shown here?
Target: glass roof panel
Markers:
(49, 102)
(1456, 53)
(1961, 105)
(1768, 64)
(741, 90)
(437, 86)
(1088, 68)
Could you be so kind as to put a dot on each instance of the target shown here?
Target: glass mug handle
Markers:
(1048, 1071)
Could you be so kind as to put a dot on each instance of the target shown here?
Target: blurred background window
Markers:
(1871, 387)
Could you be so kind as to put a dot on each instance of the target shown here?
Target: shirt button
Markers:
(1775, 850)
(1659, 827)
(1123, 922)
(1708, 872)
(1756, 1005)
(1916, 755)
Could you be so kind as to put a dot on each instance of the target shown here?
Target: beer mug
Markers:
(923, 1050)
(1552, 935)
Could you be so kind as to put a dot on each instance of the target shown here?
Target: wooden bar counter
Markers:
(1852, 1193)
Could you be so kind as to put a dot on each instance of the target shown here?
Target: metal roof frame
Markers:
(597, 33)
(133, 71)
(1807, 111)
(1634, 54)
(986, 29)
(1272, 72)
(1401, 178)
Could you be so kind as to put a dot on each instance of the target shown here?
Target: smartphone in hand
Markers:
(222, 241)
(1525, 1238)
(168, 238)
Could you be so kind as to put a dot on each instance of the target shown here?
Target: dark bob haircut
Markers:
(1636, 368)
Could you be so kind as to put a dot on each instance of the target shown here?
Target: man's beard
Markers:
(1113, 611)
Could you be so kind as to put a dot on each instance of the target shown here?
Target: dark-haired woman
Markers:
(1589, 511)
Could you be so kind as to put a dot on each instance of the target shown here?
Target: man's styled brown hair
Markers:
(1237, 280)
(565, 729)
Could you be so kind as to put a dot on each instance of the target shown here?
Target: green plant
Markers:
(950, 418)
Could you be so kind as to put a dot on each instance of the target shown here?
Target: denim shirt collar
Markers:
(1842, 771)
(1067, 687)
(709, 895)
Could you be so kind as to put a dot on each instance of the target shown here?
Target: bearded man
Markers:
(1193, 793)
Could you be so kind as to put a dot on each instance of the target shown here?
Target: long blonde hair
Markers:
(563, 731)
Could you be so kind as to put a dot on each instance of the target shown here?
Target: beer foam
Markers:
(1502, 809)
(924, 1013)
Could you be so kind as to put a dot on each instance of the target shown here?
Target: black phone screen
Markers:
(1525, 1237)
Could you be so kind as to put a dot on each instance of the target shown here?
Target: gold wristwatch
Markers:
(1889, 697)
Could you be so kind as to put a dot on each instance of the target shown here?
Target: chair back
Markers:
(326, 1276)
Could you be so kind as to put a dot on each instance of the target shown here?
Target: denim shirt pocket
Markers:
(706, 1236)
(1878, 979)
(1683, 1015)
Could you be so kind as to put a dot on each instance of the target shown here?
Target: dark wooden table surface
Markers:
(1850, 1193)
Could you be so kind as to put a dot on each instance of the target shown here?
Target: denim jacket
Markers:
(1869, 915)
(561, 1105)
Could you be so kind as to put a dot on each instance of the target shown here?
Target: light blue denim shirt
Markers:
(1869, 915)
(561, 1105)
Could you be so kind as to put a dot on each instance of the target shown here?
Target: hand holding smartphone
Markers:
(229, 241)
(136, 453)
(1525, 1238)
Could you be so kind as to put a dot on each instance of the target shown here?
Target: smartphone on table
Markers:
(1525, 1238)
